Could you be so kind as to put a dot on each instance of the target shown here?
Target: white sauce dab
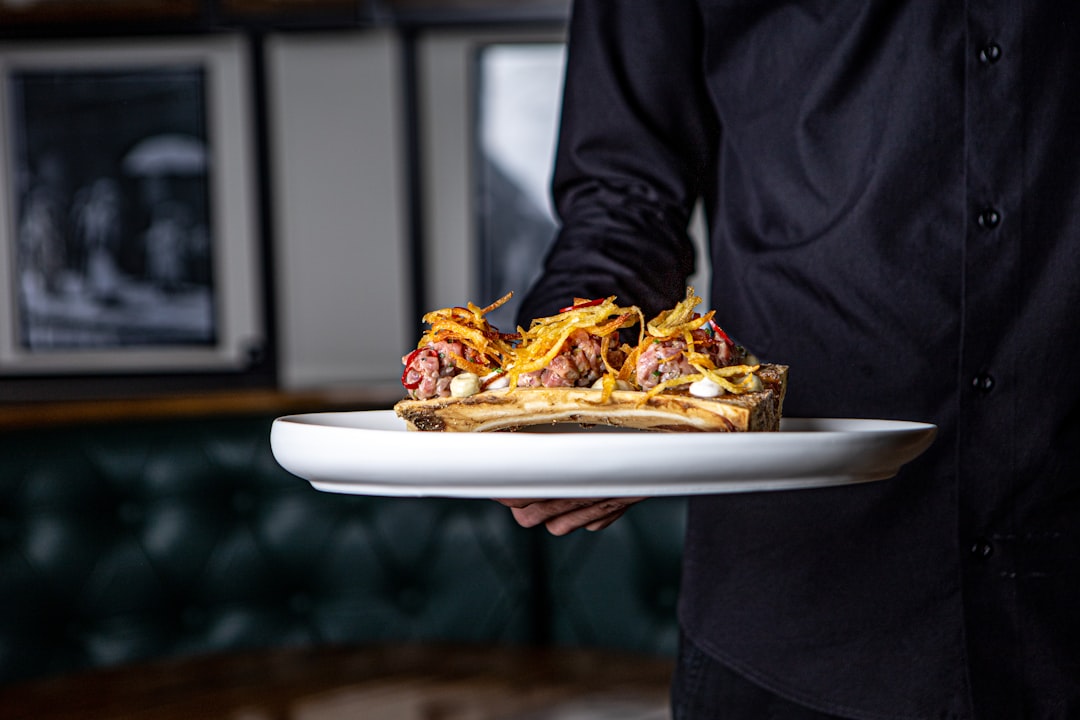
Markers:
(705, 388)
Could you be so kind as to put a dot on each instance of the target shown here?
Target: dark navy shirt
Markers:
(892, 190)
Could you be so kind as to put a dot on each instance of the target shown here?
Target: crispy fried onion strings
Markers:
(680, 322)
(526, 351)
(468, 326)
(546, 337)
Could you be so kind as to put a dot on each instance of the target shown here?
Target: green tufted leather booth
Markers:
(129, 540)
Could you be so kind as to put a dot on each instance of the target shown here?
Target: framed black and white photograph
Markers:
(127, 209)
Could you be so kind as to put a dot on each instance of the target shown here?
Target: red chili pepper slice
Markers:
(578, 306)
(720, 333)
(405, 373)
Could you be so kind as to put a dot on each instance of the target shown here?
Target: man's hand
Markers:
(566, 515)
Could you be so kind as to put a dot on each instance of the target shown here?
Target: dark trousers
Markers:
(705, 689)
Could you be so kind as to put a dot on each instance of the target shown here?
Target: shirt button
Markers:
(983, 382)
(990, 54)
(981, 549)
(988, 219)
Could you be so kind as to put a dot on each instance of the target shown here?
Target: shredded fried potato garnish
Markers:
(547, 336)
(469, 326)
(526, 351)
(680, 322)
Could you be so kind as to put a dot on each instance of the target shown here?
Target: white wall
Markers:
(338, 159)
(339, 215)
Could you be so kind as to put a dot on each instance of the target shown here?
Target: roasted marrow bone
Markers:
(510, 409)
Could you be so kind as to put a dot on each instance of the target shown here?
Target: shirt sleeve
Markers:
(637, 141)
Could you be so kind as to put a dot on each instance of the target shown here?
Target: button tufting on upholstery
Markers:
(617, 588)
(8, 530)
(300, 603)
(193, 617)
(73, 632)
(130, 513)
(666, 598)
(410, 600)
(129, 541)
(243, 502)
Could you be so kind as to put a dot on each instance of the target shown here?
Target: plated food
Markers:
(683, 372)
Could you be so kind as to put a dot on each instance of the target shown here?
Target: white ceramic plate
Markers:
(371, 453)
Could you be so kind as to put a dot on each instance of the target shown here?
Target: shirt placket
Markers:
(992, 252)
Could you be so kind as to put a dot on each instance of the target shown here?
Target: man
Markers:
(893, 197)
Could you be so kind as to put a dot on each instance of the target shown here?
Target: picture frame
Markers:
(128, 238)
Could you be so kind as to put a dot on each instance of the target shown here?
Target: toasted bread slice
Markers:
(668, 411)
